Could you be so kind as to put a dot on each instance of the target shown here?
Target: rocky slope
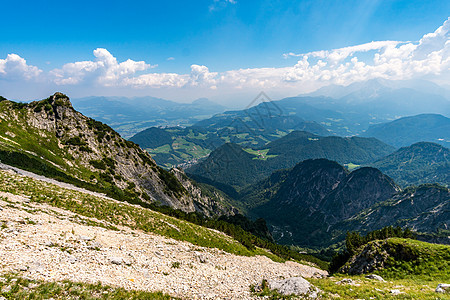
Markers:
(425, 208)
(44, 242)
(318, 201)
(402, 257)
(303, 203)
(52, 137)
(206, 199)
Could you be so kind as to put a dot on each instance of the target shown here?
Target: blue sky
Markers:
(213, 48)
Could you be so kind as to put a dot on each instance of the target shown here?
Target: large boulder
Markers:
(293, 285)
(443, 288)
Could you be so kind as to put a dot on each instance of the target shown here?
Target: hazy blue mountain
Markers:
(372, 88)
(353, 110)
(382, 100)
(419, 163)
(408, 130)
(131, 115)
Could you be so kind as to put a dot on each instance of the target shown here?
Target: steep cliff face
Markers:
(425, 208)
(52, 131)
(309, 182)
(205, 199)
(314, 196)
(360, 190)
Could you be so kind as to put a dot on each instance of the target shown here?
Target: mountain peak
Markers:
(202, 101)
(60, 99)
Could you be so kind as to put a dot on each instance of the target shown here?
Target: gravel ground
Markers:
(49, 244)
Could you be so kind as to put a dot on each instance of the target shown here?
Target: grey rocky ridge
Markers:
(53, 133)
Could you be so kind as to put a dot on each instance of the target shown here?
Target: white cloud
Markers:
(200, 76)
(219, 4)
(427, 58)
(15, 67)
(105, 70)
(391, 60)
(157, 80)
(340, 54)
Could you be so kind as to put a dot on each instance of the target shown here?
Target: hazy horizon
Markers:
(224, 50)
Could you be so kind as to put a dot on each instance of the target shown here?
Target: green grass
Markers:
(162, 149)
(411, 288)
(413, 267)
(22, 288)
(199, 136)
(424, 261)
(259, 154)
(351, 166)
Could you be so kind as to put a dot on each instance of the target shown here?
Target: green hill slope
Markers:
(249, 128)
(401, 258)
(417, 164)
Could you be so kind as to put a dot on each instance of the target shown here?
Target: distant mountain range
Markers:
(251, 129)
(365, 108)
(131, 115)
(409, 130)
(389, 99)
(313, 203)
(234, 165)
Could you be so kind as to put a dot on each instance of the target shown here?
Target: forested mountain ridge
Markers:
(420, 163)
(234, 165)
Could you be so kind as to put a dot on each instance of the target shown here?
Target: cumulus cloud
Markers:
(15, 67)
(200, 76)
(427, 58)
(378, 59)
(157, 80)
(105, 70)
(337, 55)
(390, 60)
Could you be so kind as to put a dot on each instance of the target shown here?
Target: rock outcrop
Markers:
(294, 286)
(207, 200)
(443, 288)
